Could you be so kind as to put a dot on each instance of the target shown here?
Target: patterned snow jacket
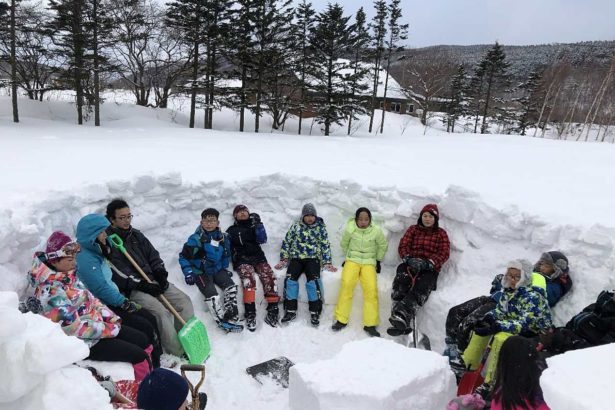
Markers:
(65, 300)
(92, 268)
(205, 252)
(246, 240)
(428, 243)
(143, 252)
(364, 246)
(522, 311)
(307, 241)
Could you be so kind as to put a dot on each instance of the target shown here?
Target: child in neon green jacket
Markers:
(364, 246)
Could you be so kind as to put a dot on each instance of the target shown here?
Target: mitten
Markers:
(190, 279)
(378, 268)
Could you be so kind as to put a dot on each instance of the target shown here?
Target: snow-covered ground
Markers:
(501, 197)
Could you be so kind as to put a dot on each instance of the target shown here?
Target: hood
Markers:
(522, 265)
(557, 259)
(39, 271)
(89, 227)
(432, 209)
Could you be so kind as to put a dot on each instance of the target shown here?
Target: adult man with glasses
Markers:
(132, 284)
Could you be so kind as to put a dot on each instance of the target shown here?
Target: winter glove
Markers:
(281, 264)
(496, 284)
(255, 219)
(153, 289)
(378, 267)
(416, 265)
(190, 279)
(329, 267)
(487, 326)
(164, 285)
(343, 263)
(161, 276)
(130, 306)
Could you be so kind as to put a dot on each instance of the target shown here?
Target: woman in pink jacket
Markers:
(517, 385)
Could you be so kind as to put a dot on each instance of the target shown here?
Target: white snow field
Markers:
(501, 197)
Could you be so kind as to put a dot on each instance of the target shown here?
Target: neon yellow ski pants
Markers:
(474, 352)
(351, 274)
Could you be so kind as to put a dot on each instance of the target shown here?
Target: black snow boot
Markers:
(337, 326)
(372, 331)
(231, 313)
(314, 318)
(273, 313)
(289, 316)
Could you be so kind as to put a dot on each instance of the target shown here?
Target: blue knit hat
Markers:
(162, 389)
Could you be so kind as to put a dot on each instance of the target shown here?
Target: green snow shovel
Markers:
(193, 335)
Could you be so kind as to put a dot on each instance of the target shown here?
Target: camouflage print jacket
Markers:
(307, 241)
(523, 310)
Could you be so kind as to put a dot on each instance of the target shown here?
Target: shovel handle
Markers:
(194, 389)
(117, 242)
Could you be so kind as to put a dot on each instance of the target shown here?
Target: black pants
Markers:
(128, 346)
(413, 289)
(207, 283)
(311, 268)
(143, 321)
(462, 318)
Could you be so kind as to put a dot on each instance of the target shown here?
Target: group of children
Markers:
(74, 285)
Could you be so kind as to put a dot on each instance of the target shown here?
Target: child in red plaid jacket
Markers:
(424, 248)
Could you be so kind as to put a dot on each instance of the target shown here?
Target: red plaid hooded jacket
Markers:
(428, 243)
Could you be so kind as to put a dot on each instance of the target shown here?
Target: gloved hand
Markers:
(487, 326)
(343, 263)
(153, 289)
(281, 264)
(416, 265)
(255, 219)
(130, 306)
(378, 267)
(496, 284)
(161, 276)
(190, 279)
(329, 267)
(164, 285)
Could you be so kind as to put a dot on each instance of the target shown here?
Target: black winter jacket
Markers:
(246, 239)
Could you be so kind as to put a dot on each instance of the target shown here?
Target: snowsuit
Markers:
(307, 248)
(523, 311)
(94, 271)
(425, 247)
(65, 300)
(363, 247)
(207, 255)
(246, 238)
(148, 259)
(559, 282)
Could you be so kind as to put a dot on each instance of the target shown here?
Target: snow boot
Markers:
(251, 321)
(372, 331)
(231, 313)
(273, 313)
(289, 316)
(315, 318)
(393, 331)
(337, 326)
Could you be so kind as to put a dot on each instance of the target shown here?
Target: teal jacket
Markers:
(92, 268)
(364, 246)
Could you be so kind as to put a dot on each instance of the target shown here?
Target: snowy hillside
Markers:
(501, 197)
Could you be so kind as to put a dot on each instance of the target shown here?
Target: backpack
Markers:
(589, 326)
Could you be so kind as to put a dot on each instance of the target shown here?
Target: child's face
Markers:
(309, 219)
(363, 220)
(64, 264)
(428, 219)
(242, 215)
(513, 276)
(209, 223)
(546, 268)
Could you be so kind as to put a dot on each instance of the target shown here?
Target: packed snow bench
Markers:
(373, 374)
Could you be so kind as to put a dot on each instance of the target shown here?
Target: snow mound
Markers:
(34, 353)
(580, 379)
(373, 374)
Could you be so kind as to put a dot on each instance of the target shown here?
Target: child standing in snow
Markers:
(305, 249)
(65, 300)
(204, 260)
(247, 235)
(364, 246)
(424, 248)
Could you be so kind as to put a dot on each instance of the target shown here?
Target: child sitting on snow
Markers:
(364, 246)
(305, 248)
(204, 260)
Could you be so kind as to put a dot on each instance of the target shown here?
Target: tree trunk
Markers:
(96, 67)
(242, 98)
(384, 97)
(544, 129)
(14, 63)
(483, 126)
(374, 93)
(195, 74)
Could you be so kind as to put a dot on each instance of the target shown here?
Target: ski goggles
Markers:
(68, 250)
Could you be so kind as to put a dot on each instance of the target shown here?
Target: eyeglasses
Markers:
(125, 217)
(515, 277)
(68, 250)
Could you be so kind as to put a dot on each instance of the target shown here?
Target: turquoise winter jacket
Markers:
(92, 268)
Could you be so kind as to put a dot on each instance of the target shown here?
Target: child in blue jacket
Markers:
(204, 260)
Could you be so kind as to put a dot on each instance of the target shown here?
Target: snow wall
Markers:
(483, 238)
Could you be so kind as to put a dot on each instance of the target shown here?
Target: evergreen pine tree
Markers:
(360, 38)
(493, 71)
(303, 61)
(397, 33)
(379, 31)
(330, 40)
(528, 102)
(456, 107)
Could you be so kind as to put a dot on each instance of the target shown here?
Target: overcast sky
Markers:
(511, 22)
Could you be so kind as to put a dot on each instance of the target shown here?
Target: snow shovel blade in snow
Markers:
(276, 369)
(193, 335)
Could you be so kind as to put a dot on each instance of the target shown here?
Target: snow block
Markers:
(373, 374)
(573, 381)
